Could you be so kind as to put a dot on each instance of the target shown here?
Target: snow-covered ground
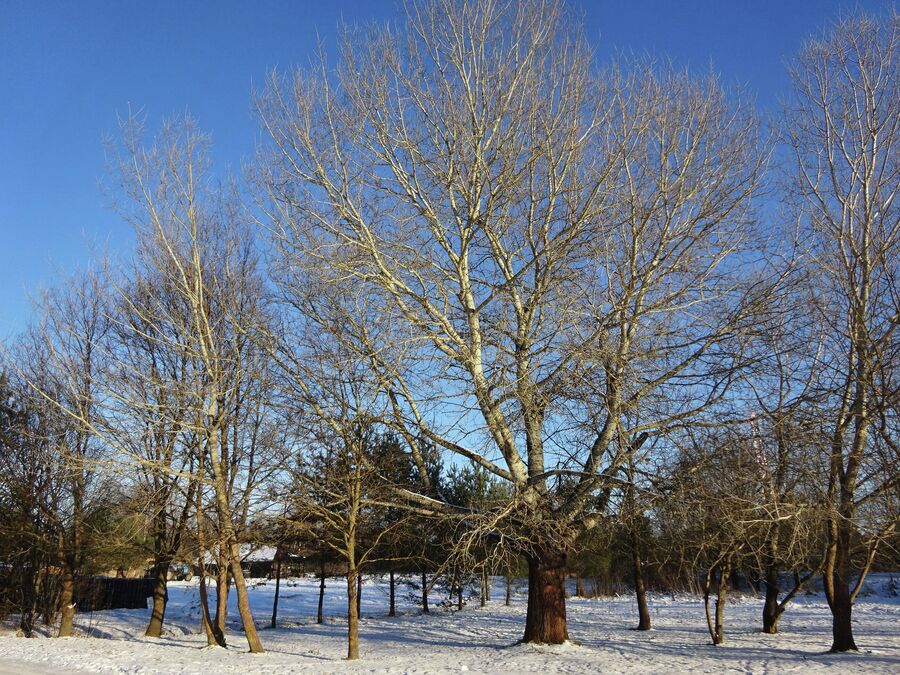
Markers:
(475, 639)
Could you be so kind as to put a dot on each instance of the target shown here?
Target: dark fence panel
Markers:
(98, 593)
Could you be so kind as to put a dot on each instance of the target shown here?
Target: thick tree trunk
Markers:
(640, 590)
(277, 591)
(771, 610)
(392, 610)
(841, 601)
(67, 605)
(352, 615)
(320, 615)
(359, 581)
(545, 621)
(424, 591)
(160, 598)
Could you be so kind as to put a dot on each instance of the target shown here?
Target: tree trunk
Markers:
(243, 601)
(424, 591)
(771, 612)
(352, 615)
(392, 611)
(579, 587)
(841, 602)
(26, 618)
(320, 616)
(229, 539)
(483, 589)
(721, 598)
(222, 589)
(46, 596)
(214, 636)
(508, 590)
(160, 598)
(277, 590)
(545, 621)
(359, 594)
(67, 605)
(640, 589)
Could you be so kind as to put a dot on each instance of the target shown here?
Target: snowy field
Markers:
(474, 640)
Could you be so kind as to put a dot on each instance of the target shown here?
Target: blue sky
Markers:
(68, 68)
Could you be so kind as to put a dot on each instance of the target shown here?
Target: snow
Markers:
(263, 553)
(476, 640)
(248, 553)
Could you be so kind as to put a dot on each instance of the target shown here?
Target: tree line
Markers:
(556, 309)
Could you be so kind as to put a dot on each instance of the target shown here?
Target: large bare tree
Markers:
(555, 248)
(843, 124)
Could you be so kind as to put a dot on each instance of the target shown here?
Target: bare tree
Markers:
(843, 124)
(712, 508)
(65, 351)
(340, 482)
(337, 494)
(150, 414)
(635, 525)
(190, 231)
(779, 404)
(555, 249)
(29, 489)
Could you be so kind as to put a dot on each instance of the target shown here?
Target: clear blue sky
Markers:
(67, 68)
